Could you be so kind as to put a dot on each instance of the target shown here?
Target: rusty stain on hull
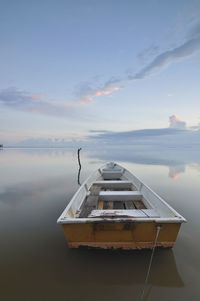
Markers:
(121, 245)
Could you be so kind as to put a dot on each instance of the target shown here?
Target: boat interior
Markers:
(111, 195)
(113, 192)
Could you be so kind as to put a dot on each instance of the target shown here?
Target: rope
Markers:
(149, 268)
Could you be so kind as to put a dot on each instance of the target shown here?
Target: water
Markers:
(36, 264)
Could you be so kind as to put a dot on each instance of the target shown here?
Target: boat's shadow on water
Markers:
(111, 267)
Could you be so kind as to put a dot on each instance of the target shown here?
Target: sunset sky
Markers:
(73, 69)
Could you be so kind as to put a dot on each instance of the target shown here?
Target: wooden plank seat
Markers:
(119, 195)
(110, 200)
(111, 182)
(116, 184)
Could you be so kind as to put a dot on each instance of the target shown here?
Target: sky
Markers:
(88, 70)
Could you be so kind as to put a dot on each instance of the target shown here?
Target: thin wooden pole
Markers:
(79, 162)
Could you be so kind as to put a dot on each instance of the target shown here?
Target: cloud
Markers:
(13, 97)
(176, 134)
(35, 103)
(176, 123)
(135, 134)
(188, 48)
(195, 127)
(161, 61)
(106, 90)
(149, 51)
(86, 93)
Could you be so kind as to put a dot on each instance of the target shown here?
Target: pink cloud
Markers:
(106, 90)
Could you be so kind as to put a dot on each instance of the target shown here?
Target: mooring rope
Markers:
(149, 268)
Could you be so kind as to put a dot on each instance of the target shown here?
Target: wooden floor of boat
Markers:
(92, 202)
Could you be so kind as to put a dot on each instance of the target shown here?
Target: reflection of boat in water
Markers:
(114, 209)
(123, 268)
(167, 275)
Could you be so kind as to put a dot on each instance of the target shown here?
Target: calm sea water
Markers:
(36, 264)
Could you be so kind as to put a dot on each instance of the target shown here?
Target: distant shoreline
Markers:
(99, 146)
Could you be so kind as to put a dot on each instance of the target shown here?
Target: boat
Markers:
(113, 209)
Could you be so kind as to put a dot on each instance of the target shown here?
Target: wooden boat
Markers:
(114, 209)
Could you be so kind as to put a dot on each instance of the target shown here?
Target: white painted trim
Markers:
(118, 220)
(150, 212)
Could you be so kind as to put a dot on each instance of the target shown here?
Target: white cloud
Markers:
(176, 123)
(161, 61)
(35, 103)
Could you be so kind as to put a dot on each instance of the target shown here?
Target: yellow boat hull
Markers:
(120, 235)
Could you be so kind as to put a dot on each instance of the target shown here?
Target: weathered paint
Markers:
(125, 235)
(125, 213)
(120, 245)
